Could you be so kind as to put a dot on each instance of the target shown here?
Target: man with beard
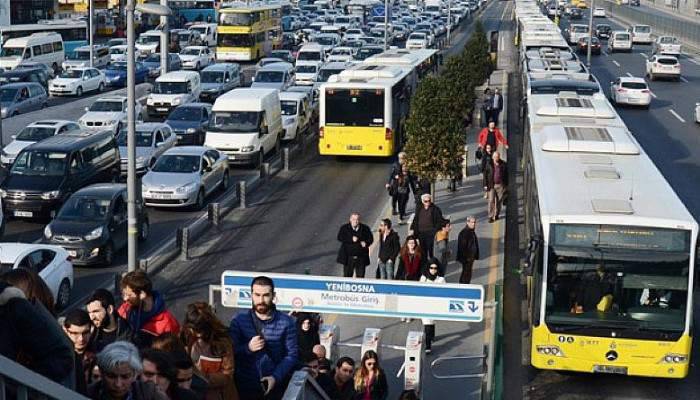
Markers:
(265, 345)
(77, 326)
(107, 326)
(144, 310)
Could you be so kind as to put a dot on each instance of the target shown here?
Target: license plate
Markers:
(180, 137)
(72, 253)
(610, 369)
(162, 109)
(23, 214)
(162, 196)
(354, 147)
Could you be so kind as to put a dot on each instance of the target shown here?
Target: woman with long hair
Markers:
(34, 288)
(211, 350)
(307, 334)
(370, 380)
(411, 260)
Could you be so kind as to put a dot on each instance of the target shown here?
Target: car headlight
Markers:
(176, 101)
(51, 195)
(140, 162)
(47, 232)
(149, 101)
(247, 149)
(96, 233)
(144, 188)
(3, 193)
(191, 130)
(3, 111)
(187, 188)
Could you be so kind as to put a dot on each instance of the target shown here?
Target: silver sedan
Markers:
(185, 176)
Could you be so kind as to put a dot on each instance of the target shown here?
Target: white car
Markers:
(667, 45)
(341, 53)
(118, 53)
(294, 114)
(196, 57)
(32, 133)
(631, 91)
(620, 41)
(77, 81)
(697, 112)
(353, 34)
(417, 40)
(663, 66)
(599, 12)
(306, 72)
(52, 263)
(108, 113)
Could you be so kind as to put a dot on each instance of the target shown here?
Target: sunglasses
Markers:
(433, 268)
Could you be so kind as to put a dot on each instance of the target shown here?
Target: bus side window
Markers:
(37, 51)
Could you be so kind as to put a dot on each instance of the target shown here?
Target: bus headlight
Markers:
(550, 351)
(672, 358)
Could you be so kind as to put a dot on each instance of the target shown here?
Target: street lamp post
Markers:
(164, 39)
(590, 36)
(386, 25)
(132, 189)
(449, 20)
(92, 32)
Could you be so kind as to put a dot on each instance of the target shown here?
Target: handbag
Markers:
(479, 154)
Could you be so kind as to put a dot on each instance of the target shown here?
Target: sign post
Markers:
(370, 297)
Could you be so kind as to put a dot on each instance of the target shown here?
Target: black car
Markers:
(576, 13)
(190, 122)
(92, 224)
(602, 31)
(634, 3)
(37, 75)
(582, 45)
(44, 174)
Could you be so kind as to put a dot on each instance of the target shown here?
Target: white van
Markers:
(279, 75)
(41, 47)
(641, 34)
(620, 41)
(295, 114)
(81, 57)
(246, 124)
(311, 52)
(206, 32)
(148, 42)
(171, 90)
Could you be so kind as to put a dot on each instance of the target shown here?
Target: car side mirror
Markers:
(531, 255)
(159, 144)
(14, 137)
(264, 131)
(252, 79)
(87, 109)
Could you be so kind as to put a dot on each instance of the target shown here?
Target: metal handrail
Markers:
(25, 380)
(303, 386)
(439, 360)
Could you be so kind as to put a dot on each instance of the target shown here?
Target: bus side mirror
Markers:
(531, 255)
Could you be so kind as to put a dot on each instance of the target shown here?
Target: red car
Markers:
(582, 45)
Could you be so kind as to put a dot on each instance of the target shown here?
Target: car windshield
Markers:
(199, 29)
(280, 54)
(326, 73)
(235, 121)
(289, 107)
(668, 40)
(306, 69)
(269, 76)
(117, 50)
(115, 42)
(603, 28)
(170, 88)
(148, 39)
(417, 36)
(107, 106)
(622, 36)
(642, 29)
(8, 95)
(325, 40)
(341, 52)
(80, 55)
(185, 114)
(212, 77)
(143, 138)
(119, 66)
(309, 56)
(153, 58)
(634, 85)
(40, 163)
(71, 74)
(84, 209)
(579, 28)
(190, 52)
(12, 51)
(176, 164)
(667, 61)
(35, 133)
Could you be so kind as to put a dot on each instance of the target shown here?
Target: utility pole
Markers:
(386, 25)
(590, 35)
(92, 32)
(164, 39)
(449, 20)
(132, 229)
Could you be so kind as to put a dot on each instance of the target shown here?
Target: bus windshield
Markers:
(235, 121)
(617, 277)
(355, 107)
(236, 19)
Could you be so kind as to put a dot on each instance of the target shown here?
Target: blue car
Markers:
(152, 63)
(190, 122)
(115, 74)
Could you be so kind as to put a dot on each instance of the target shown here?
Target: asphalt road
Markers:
(668, 133)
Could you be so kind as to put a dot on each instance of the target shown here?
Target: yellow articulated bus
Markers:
(247, 32)
(363, 109)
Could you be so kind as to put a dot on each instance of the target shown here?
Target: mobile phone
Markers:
(264, 384)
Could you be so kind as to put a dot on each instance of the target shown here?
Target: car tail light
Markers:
(621, 90)
(320, 132)
(388, 134)
(645, 90)
(69, 258)
(677, 66)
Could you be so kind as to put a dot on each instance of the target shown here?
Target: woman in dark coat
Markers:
(307, 334)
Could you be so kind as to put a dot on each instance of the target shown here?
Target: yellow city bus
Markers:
(363, 109)
(247, 31)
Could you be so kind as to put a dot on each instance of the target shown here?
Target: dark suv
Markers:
(44, 174)
(92, 224)
(26, 75)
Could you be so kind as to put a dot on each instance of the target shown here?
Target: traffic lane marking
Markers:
(605, 53)
(652, 94)
(675, 114)
(616, 63)
(684, 80)
(644, 55)
(630, 75)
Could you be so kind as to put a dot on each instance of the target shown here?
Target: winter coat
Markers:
(404, 271)
(389, 248)
(500, 139)
(467, 245)
(437, 220)
(348, 248)
(378, 391)
(144, 329)
(30, 332)
(279, 358)
(139, 391)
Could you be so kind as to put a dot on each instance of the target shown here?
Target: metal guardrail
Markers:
(685, 30)
(21, 383)
(303, 386)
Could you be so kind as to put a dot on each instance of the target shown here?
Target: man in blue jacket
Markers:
(265, 345)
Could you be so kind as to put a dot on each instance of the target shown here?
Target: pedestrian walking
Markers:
(431, 275)
(389, 247)
(486, 104)
(497, 177)
(265, 345)
(343, 386)
(209, 347)
(442, 246)
(77, 327)
(486, 160)
(404, 187)
(426, 222)
(355, 238)
(159, 368)
(493, 136)
(496, 105)
(370, 381)
(411, 260)
(144, 309)
(392, 183)
(107, 326)
(307, 334)
(467, 249)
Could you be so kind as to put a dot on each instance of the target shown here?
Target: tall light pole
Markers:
(131, 187)
(164, 39)
(590, 35)
(92, 32)
(386, 25)
(449, 20)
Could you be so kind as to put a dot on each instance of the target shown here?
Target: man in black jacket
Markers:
(467, 249)
(427, 221)
(29, 329)
(389, 247)
(355, 239)
(108, 327)
(496, 176)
